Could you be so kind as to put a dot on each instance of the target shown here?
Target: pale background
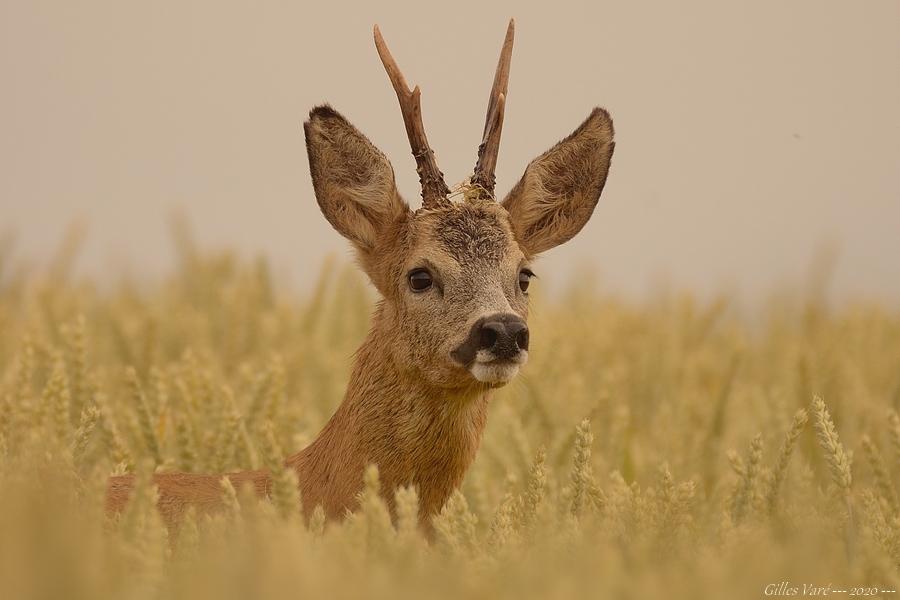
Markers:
(752, 137)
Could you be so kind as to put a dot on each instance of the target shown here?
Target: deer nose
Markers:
(504, 335)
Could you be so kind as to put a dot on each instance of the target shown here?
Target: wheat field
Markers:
(671, 448)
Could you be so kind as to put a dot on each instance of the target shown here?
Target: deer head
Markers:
(454, 274)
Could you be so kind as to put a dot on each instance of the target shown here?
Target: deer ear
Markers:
(559, 190)
(353, 180)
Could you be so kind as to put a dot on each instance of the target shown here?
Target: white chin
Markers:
(494, 372)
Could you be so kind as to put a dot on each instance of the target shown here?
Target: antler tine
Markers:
(483, 180)
(434, 188)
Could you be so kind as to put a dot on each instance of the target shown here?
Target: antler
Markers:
(483, 180)
(434, 188)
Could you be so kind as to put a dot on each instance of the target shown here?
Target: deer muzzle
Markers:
(495, 349)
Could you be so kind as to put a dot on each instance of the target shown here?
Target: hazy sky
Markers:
(749, 134)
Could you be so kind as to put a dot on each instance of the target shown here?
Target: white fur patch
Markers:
(488, 370)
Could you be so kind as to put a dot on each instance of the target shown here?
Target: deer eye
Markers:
(525, 276)
(420, 280)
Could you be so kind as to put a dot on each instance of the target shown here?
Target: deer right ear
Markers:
(559, 190)
(353, 180)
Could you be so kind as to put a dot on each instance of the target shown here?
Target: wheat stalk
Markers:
(801, 417)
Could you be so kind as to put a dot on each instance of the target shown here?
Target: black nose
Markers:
(503, 334)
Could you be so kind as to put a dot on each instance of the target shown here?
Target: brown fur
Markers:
(410, 408)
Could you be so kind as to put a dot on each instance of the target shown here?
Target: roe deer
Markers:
(451, 323)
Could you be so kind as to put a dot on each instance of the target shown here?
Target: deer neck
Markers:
(415, 433)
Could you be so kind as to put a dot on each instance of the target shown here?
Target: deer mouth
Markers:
(487, 368)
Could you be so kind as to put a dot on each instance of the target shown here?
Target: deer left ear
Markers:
(353, 180)
(558, 192)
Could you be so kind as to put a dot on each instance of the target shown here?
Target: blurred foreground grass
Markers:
(657, 450)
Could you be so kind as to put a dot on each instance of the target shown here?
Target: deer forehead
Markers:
(467, 237)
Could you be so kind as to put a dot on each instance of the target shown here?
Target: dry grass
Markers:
(647, 451)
